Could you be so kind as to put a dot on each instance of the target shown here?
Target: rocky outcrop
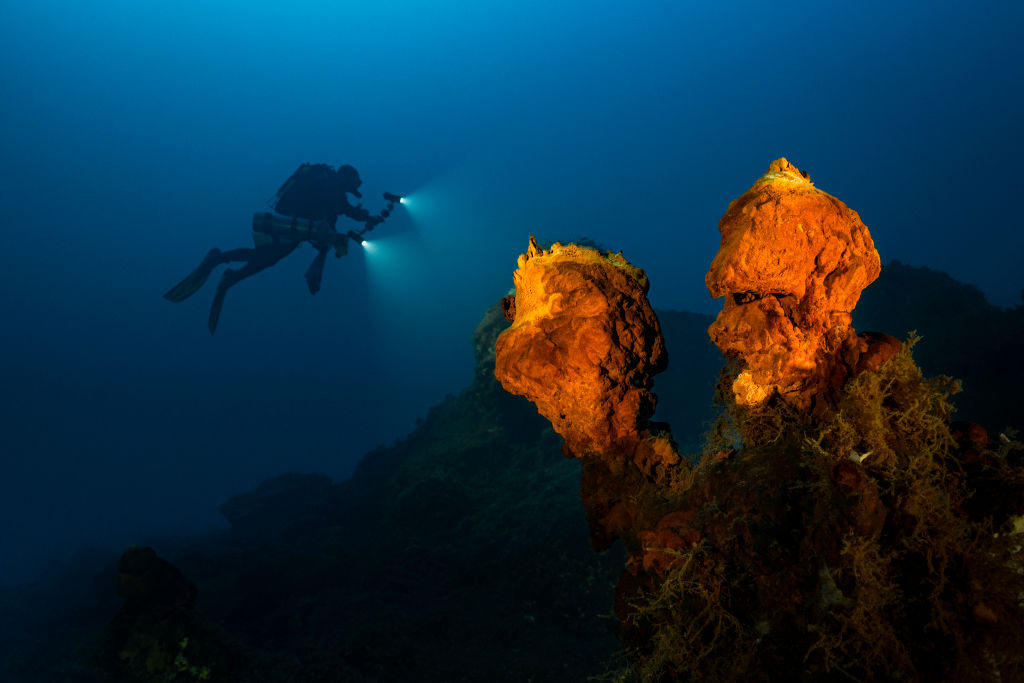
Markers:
(583, 347)
(837, 524)
(791, 266)
(158, 635)
(259, 511)
(962, 335)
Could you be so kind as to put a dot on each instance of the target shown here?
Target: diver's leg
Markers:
(197, 278)
(316, 270)
(257, 259)
(247, 254)
(227, 280)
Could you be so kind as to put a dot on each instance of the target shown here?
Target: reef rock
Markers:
(583, 346)
(158, 635)
(855, 537)
(792, 263)
(147, 581)
(259, 512)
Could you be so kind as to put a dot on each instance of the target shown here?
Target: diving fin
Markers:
(196, 279)
(218, 299)
(315, 273)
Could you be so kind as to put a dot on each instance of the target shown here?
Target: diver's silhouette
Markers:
(307, 208)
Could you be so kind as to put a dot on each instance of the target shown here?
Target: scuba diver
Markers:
(307, 208)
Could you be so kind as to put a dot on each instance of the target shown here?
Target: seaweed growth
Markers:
(936, 590)
(851, 544)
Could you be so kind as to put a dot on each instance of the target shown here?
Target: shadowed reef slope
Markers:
(460, 552)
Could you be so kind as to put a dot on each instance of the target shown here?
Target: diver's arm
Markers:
(360, 214)
(356, 213)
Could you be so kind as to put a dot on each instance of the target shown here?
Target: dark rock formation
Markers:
(259, 511)
(414, 569)
(157, 635)
(962, 335)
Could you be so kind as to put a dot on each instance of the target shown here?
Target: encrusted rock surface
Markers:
(792, 263)
(583, 347)
(835, 526)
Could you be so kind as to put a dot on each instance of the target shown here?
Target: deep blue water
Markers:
(135, 136)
